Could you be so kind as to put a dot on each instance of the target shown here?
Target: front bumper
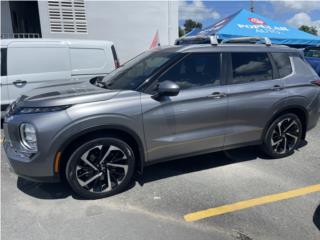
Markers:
(31, 168)
(38, 166)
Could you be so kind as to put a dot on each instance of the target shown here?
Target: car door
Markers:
(194, 120)
(255, 91)
(32, 65)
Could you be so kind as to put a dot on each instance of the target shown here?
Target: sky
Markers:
(294, 13)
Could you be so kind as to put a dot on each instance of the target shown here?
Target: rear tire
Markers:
(283, 136)
(100, 168)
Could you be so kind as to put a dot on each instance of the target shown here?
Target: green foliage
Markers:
(181, 32)
(309, 29)
(189, 24)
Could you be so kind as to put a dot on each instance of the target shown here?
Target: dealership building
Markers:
(131, 25)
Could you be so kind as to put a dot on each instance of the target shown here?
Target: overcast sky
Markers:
(295, 13)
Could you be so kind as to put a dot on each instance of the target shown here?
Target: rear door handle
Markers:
(277, 88)
(20, 83)
(217, 95)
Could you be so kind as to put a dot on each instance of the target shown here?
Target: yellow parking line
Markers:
(250, 203)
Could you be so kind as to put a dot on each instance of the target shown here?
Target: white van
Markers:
(30, 63)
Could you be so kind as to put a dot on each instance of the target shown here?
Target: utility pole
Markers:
(251, 6)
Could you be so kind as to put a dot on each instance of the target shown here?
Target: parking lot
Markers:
(163, 204)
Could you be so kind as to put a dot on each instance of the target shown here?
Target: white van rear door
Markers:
(33, 65)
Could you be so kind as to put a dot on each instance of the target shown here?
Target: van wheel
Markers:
(100, 168)
(283, 136)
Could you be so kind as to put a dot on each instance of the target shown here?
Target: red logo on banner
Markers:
(257, 21)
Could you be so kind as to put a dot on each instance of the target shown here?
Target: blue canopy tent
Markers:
(248, 24)
(193, 32)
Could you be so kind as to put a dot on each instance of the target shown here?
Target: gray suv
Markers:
(164, 104)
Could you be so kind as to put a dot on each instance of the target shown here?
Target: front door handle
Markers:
(276, 88)
(217, 95)
(20, 83)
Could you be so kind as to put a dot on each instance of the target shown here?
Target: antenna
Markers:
(252, 6)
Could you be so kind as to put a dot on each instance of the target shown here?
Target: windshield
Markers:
(133, 73)
(312, 52)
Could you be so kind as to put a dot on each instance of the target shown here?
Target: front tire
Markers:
(100, 168)
(283, 136)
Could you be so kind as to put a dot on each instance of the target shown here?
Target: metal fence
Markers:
(20, 35)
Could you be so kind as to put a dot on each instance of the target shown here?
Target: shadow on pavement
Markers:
(199, 163)
(151, 173)
(50, 190)
(44, 190)
(316, 217)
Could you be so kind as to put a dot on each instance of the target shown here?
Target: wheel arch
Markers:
(299, 110)
(124, 133)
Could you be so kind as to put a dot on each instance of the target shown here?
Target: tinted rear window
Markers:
(3, 62)
(283, 64)
(251, 67)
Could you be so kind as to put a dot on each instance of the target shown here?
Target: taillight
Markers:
(316, 82)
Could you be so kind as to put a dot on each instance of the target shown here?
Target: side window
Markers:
(3, 62)
(283, 64)
(312, 52)
(87, 58)
(195, 70)
(23, 60)
(251, 67)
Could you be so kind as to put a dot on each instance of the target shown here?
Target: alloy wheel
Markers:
(102, 168)
(285, 136)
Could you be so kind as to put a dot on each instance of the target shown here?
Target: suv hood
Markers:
(65, 94)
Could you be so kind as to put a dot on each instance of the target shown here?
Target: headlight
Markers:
(26, 110)
(28, 137)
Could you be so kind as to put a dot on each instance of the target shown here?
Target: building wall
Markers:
(130, 25)
(6, 25)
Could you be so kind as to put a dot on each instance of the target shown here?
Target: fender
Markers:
(86, 125)
(288, 103)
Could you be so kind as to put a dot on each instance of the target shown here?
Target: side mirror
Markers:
(167, 88)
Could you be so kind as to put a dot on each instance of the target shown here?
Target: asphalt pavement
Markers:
(155, 206)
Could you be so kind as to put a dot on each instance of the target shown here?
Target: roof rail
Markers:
(214, 40)
(266, 40)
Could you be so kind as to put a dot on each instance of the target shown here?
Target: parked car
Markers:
(312, 55)
(29, 63)
(164, 104)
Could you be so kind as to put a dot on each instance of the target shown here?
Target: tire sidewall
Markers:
(267, 139)
(75, 158)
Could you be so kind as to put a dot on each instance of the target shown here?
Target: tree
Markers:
(189, 24)
(181, 31)
(309, 29)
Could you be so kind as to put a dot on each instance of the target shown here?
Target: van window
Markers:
(251, 67)
(196, 70)
(87, 58)
(3, 62)
(37, 60)
(283, 64)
